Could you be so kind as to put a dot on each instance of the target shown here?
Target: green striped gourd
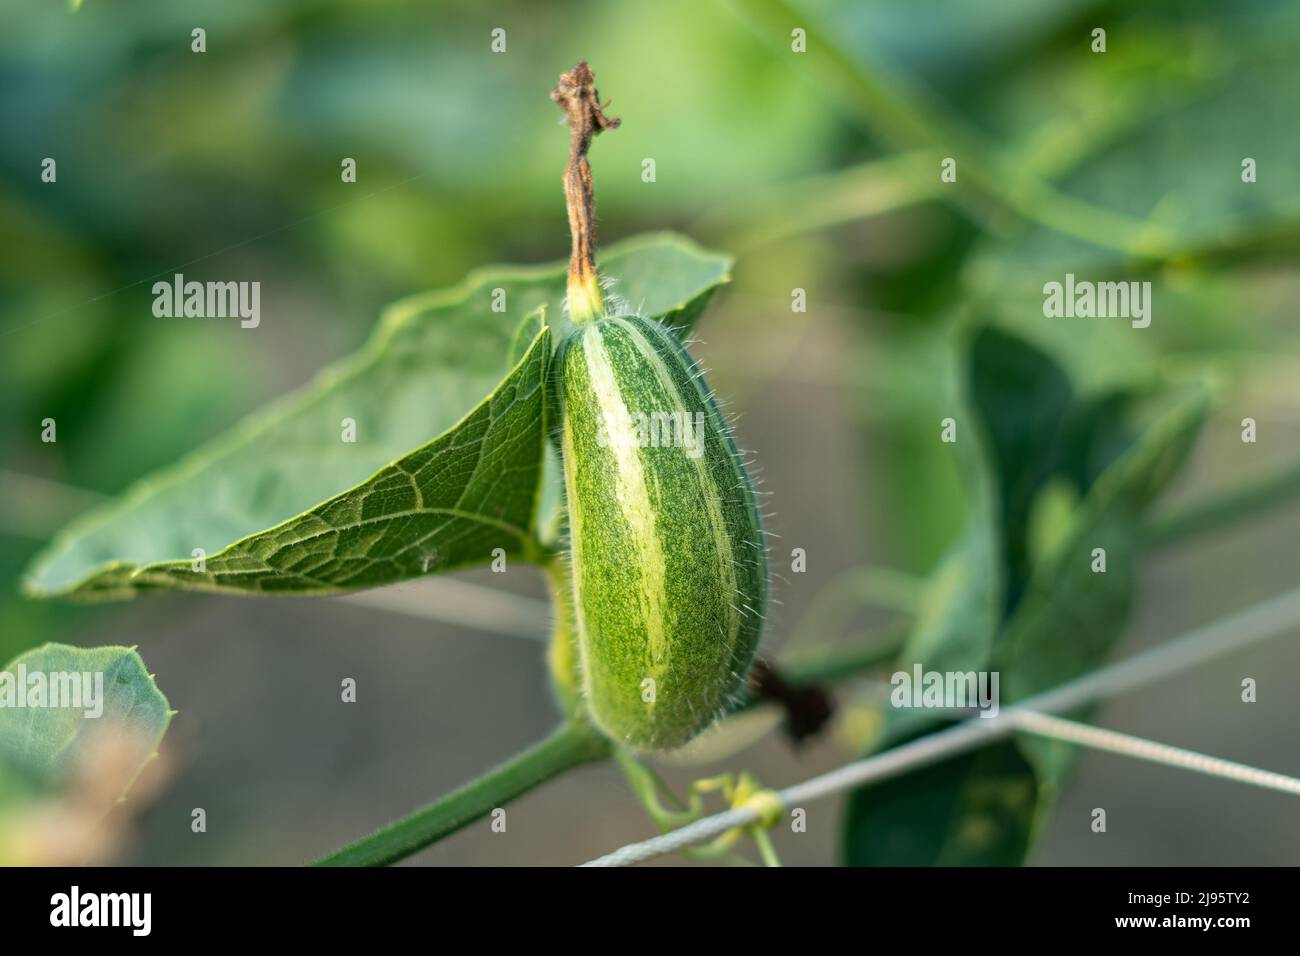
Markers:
(669, 565)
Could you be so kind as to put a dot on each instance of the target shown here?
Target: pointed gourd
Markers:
(669, 564)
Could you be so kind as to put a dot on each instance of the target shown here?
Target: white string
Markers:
(1266, 619)
(1099, 738)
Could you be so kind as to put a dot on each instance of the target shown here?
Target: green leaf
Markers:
(1012, 402)
(1071, 616)
(41, 747)
(959, 609)
(1043, 446)
(282, 504)
(448, 504)
(975, 809)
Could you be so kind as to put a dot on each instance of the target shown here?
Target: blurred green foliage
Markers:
(819, 168)
(1021, 601)
(63, 768)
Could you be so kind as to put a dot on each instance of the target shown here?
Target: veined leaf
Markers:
(282, 504)
(450, 503)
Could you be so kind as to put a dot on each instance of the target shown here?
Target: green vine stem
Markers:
(647, 786)
(572, 745)
(1226, 509)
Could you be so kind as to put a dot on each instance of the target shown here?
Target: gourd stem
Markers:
(577, 96)
(570, 746)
